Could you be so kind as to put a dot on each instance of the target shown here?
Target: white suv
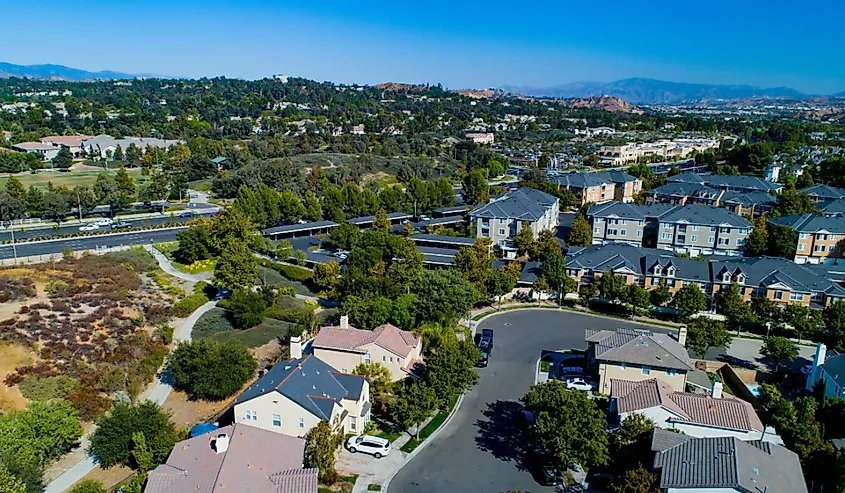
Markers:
(376, 446)
(104, 222)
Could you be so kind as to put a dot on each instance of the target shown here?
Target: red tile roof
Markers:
(389, 337)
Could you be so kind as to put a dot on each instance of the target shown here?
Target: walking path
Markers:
(167, 267)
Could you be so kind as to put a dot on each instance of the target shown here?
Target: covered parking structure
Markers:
(442, 221)
(451, 211)
(367, 221)
(441, 241)
(299, 230)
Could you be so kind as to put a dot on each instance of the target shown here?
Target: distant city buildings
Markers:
(482, 138)
(669, 149)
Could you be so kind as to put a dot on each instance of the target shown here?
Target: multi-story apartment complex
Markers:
(668, 149)
(733, 183)
(820, 238)
(600, 186)
(820, 193)
(781, 280)
(694, 229)
(502, 218)
(739, 194)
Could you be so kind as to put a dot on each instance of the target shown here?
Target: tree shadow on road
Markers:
(502, 433)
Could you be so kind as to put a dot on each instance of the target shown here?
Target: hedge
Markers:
(292, 272)
(189, 304)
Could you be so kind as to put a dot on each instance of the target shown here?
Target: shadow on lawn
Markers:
(502, 433)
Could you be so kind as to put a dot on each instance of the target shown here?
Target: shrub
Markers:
(189, 304)
(89, 486)
(291, 272)
(165, 333)
(158, 314)
(45, 388)
(57, 287)
(210, 370)
(259, 335)
(209, 290)
(139, 259)
(112, 442)
(247, 308)
(89, 403)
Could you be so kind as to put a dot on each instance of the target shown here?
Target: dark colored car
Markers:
(485, 344)
(121, 225)
(551, 476)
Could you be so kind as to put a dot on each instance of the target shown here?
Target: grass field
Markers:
(72, 179)
(217, 326)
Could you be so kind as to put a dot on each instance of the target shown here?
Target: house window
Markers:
(801, 246)
(803, 236)
(818, 248)
(251, 415)
(743, 231)
(367, 358)
(724, 241)
(695, 227)
(501, 231)
(646, 370)
(301, 423)
(391, 359)
(712, 229)
(778, 295)
(710, 239)
(831, 248)
(671, 372)
(693, 238)
(353, 423)
(639, 234)
(277, 420)
(822, 236)
(796, 296)
(682, 238)
(740, 241)
(667, 236)
(624, 222)
(682, 228)
(384, 358)
(597, 230)
(625, 233)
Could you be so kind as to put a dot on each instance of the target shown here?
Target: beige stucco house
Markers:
(295, 395)
(345, 347)
(636, 355)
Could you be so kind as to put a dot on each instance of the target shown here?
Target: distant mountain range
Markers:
(60, 72)
(651, 91)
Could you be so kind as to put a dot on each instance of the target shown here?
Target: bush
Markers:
(45, 388)
(212, 322)
(89, 486)
(259, 335)
(158, 314)
(247, 308)
(57, 287)
(291, 272)
(112, 444)
(209, 290)
(89, 403)
(210, 370)
(165, 333)
(189, 304)
(373, 487)
(139, 259)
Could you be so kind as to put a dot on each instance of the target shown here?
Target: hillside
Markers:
(651, 91)
(58, 72)
(607, 103)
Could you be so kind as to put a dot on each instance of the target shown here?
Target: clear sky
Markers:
(457, 43)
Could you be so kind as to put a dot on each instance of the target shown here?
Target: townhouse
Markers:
(739, 194)
(501, 219)
(819, 237)
(821, 193)
(781, 280)
(600, 186)
(732, 183)
(694, 229)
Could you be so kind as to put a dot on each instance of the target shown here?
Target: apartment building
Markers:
(482, 138)
(619, 222)
(820, 238)
(832, 207)
(743, 203)
(681, 148)
(733, 183)
(821, 193)
(600, 186)
(501, 219)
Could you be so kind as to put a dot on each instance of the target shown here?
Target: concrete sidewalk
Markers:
(167, 267)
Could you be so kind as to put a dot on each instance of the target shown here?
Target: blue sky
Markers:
(457, 43)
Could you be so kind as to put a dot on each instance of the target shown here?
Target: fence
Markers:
(55, 257)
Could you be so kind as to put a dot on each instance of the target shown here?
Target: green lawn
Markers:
(216, 325)
(71, 179)
(430, 428)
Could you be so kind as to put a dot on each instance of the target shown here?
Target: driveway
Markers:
(479, 450)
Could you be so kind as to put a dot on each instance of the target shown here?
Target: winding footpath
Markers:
(158, 393)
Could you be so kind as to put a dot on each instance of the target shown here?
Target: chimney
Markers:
(296, 347)
(682, 335)
(818, 360)
(344, 321)
(221, 445)
(716, 393)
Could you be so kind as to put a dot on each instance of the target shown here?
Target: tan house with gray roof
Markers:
(344, 347)
(636, 355)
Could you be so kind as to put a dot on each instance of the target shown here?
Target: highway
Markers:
(89, 242)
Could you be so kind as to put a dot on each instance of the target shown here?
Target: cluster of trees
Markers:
(475, 264)
(771, 239)
(210, 370)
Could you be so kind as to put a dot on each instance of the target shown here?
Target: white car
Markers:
(341, 254)
(89, 227)
(579, 384)
(375, 446)
(105, 222)
(425, 218)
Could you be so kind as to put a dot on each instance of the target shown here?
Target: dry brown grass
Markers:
(187, 413)
(109, 477)
(11, 357)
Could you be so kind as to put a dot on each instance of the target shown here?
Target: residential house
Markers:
(237, 457)
(717, 414)
(819, 238)
(828, 368)
(346, 347)
(600, 186)
(45, 152)
(820, 193)
(636, 355)
(482, 138)
(295, 395)
(747, 203)
(501, 219)
(687, 464)
(701, 229)
(103, 146)
(72, 143)
(832, 207)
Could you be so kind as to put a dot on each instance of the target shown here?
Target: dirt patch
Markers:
(11, 357)
(110, 477)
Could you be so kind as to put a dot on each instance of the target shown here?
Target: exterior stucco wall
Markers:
(275, 403)
(634, 373)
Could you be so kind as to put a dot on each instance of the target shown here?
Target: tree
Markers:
(210, 370)
(442, 295)
(554, 269)
(545, 246)
(248, 308)
(125, 183)
(133, 155)
(780, 349)
(502, 283)
(283, 250)
(764, 309)
(580, 234)
(523, 241)
(639, 480)
(660, 295)
(634, 428)
(611, 286)
(783, 241)
(791, 203)
(320, 445)
(141, 452)
(637, 296)
(112, 444)
(64, 159)
(89, 486)
(757, 242)
(327, 276)
(834, 321)
(236, 266)
(476, 188)
(689, 299)
(586, 292)
(118, 154)
(451, 369)
(313, 211)
(56, 205)
(568, 425)
(10, 208)
(381, 222)
(15, 188)
(704, 333)
(378, 377)
(9, 483)
(733, 305)
(806, 320)
(413, 405)
(34, 201)
(475, 263)
(300, 257)
(194, 244)
(540, 286)
(344, 237)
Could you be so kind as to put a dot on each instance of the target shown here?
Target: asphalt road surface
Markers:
(481, 450)
(89, 243)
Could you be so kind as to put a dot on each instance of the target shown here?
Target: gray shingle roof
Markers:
(747, 199)
(628, 211)
(686, 177)
(835, 367)
(741, 183)
(639, 347)
(767, 271)
(705, 215)
(524, 204)
(812, 223)
(583, 180)
(832, 207)
(726, 462)
(685, 190)
(824, 192)
(309, 382)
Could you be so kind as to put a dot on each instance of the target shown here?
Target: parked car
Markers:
(485, 344)
(341, 254)
(89, 227)
(368, 444)
(578, 383)
(551, 475)
(121, 225)
(105, 222)
(187, 214)
(425, 218)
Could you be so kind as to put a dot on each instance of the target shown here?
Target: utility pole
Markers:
(14, 249)
(79, 206)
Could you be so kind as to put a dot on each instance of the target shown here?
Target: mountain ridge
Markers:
(61, 72)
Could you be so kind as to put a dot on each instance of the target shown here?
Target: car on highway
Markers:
(89, 227)
(121, 225)
(578, 383)
(368, 444)
(104, 222)
(186, 214)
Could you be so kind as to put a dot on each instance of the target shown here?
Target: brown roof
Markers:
(389, 337)
(254, 463)
(726, 412)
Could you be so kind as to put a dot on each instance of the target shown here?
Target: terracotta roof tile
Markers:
(389, 337)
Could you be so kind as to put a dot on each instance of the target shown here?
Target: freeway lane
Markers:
(90, 242)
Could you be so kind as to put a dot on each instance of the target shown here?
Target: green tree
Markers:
(523, 241)
(791, 202)
(834, 321)
(704, 333)
(586, 292)
(413, 405)
(248, 308)
(300, 257)
(283, 250)
(313, 210)
(133, 155)
(142, 454)
(757, 242)
(476, 188)
(806, 320)
(382, 222)
(611, 286)
(378, 377)
(111, 442)
(125, 183)
(64, 159)
(34, 201)
(554, 269)
(475, 263)
(194, 244)
(780, 349)
(634, 428)
(451, 369)
(783, 241)
(580, 234)
(660, 295)
(569, 426)
(764, 309)
(236, 266)
(210, 370)
(638, 480)
(368, 312)
(502, 283)
(118, 154)
(730, 302)
(89, 486)
(15, 188)
(321, 442)
(637, 296)
(541, 287)
(442, 295)
(327, 276)
(404, 313)
(689, 299)
(56, 205)
(545, 246)
(290, 207)
(9, 483)
(344, 237)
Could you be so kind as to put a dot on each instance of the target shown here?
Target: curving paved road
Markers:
(479, 450)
